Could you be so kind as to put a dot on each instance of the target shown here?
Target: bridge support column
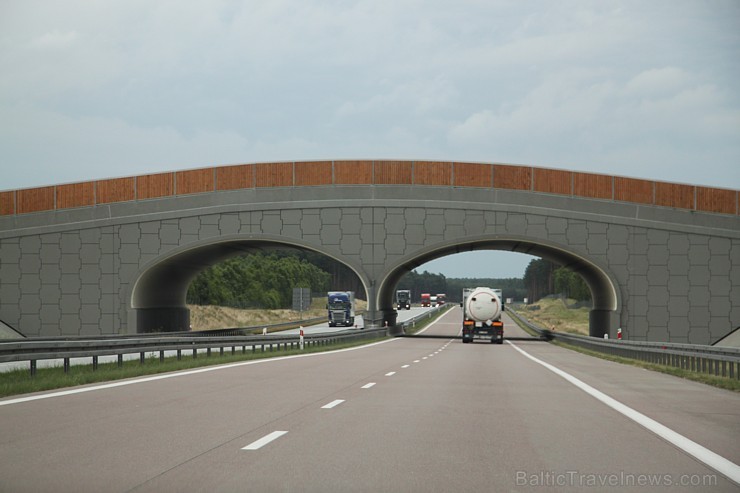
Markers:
(600, 323)
(390, 316)
(166, 319)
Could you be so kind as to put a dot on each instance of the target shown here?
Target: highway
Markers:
(403, 415)
(321, 328)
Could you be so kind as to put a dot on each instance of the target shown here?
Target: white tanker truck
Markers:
(482, 309)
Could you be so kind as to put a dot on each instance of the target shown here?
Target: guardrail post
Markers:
(208, 352)
(66, 365)
(195, 353)
(120, 361)
(142, 357)
(179, 354)
(33, 367)
(161, 356)
(95, 362)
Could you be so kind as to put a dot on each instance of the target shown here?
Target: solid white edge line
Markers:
(264, 440)
(703, 454)
(332, 404)
(63, 393)
(368, 385)
(183, 374)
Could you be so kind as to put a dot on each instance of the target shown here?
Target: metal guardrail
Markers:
(65, 348)
(32, 351)
(231, 331)
(711, 360)
(426, 315)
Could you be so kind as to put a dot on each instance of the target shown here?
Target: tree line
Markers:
(543, 278)
(266, 280)
(256, 280)
(427, 282)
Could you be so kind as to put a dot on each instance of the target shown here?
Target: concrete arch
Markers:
(158, 294)
(603, 285)
(661, 258)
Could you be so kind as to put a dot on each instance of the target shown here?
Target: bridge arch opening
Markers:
(604, 293)
(158, 297)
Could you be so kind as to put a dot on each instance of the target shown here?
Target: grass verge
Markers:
(554, 314)
(715, 381)
(21, 382)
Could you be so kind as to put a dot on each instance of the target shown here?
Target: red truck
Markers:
(426, 299)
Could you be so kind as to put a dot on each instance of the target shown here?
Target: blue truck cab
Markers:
(341, 308)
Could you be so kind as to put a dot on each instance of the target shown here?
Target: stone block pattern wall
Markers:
(674, 286)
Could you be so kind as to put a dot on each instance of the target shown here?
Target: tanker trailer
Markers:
(482, 315)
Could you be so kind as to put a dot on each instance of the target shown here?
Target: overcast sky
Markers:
(97, 89)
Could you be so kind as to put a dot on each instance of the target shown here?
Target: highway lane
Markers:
(321, 328)
(441, 416)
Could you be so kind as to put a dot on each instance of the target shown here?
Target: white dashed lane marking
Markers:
(264, 440)
(368, 385)
(332, 404)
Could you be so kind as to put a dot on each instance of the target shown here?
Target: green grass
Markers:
(21, 382)
(715, 381)
(552, 313)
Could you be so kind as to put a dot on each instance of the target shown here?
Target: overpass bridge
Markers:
(116, 256)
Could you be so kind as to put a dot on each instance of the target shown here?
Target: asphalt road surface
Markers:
(411, 414)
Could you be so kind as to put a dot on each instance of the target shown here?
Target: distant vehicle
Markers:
(441, 298)
(482, 309)
(341, 308)
(426, 299)
(433, 300)
(403, 299)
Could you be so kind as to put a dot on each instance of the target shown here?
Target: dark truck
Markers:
(403, 299)
(341, 308)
